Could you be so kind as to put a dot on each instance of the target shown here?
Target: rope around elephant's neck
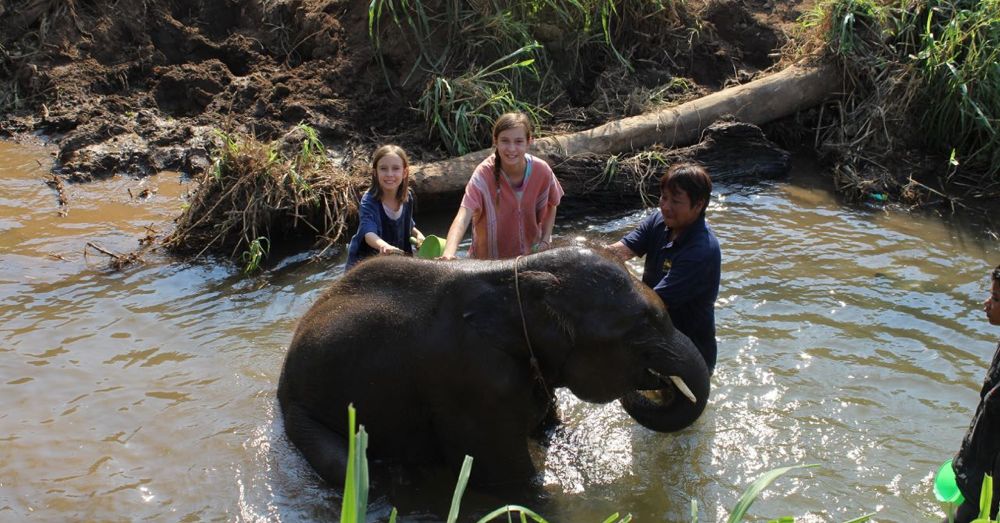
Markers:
(524, 325)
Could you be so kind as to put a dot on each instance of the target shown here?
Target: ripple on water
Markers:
(848, 337)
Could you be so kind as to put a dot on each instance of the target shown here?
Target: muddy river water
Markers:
(849, 337)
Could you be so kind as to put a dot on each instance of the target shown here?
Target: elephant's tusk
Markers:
(679, 383)
(681, 386)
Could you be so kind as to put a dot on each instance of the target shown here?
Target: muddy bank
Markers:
(137, 87)
(132, 88)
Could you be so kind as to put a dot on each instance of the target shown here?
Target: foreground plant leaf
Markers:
(755, 488)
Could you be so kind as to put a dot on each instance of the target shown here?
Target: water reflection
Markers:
(851, 338)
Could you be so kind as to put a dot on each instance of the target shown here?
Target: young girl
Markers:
(386, 209)
(510, 200)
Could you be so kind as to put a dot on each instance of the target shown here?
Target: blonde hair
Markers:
(504, 122)
(403, 191)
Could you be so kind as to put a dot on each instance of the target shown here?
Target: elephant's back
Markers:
(358, 337)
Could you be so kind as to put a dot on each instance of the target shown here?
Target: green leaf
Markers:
(755, 488)
(986, 497)
(507, 509)
(348, 508)
(361, 466)
(463, 480)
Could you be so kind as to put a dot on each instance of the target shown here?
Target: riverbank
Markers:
(138, 88)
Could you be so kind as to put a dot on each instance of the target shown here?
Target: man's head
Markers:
(992, 305)
(684, 193)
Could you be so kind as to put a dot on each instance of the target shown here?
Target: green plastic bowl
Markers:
(945, 488)
(432, 247)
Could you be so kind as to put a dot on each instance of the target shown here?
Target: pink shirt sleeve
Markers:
(553, 193)
(473, 199)
(555, 190)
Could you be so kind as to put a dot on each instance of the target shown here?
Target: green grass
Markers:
(255, 254)
(925, 75)
(985, 500)
(461, 110)
(530, 47)
(956, 57)
(849, 27)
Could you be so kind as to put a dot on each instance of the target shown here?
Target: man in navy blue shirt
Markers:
(683, 259)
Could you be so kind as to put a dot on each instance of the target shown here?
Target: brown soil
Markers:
(138, 87)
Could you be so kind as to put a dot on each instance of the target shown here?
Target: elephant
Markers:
(443, 359)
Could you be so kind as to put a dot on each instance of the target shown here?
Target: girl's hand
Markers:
(543, 245)
(389, 249)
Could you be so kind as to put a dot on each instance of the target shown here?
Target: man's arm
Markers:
(620, 250)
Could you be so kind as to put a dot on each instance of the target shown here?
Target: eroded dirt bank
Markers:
(138, 87)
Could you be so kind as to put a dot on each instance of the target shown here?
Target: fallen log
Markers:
(758, 102)
(731, 151)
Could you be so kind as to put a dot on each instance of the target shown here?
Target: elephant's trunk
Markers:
(676, 390)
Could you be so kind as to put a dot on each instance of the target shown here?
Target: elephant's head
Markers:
(605, 335)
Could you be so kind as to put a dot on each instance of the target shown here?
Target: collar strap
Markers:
(535, 369)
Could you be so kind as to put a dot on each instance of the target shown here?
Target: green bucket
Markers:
(432, 247)
(945, 488)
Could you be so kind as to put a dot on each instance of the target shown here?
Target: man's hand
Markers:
(620, 251)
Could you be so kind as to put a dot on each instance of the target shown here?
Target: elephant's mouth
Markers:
(667, 390)
(660, 397)
(660, 403)
(673, 389)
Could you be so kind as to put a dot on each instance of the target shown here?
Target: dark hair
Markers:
(403, 191)
(691, 178)
(996, 273)
(504, 122)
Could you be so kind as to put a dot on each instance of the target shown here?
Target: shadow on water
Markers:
(849, 336)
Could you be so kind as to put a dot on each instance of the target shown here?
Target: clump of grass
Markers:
(530, 46)
(255, 196)
(256, 253)
(955, 61)
(461, 110)
(849, 28)
(925, 79)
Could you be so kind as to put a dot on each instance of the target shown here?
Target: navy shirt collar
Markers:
(697, 225)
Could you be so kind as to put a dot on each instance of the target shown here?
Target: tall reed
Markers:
(925, 74)
(530, 46)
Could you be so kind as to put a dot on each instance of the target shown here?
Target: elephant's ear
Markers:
(537, 284)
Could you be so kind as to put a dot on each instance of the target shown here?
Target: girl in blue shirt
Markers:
(386, 209)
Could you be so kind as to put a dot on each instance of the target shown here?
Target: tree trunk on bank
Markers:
(731, 151)
(764, 100)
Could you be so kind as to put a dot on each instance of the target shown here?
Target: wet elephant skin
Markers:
(434, 357)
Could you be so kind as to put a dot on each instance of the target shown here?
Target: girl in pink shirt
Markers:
(510, 200)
